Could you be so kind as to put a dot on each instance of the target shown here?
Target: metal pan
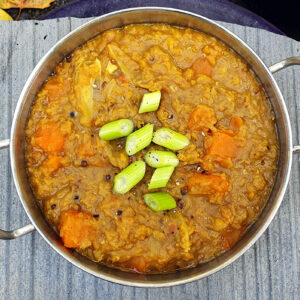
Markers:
(89, 31)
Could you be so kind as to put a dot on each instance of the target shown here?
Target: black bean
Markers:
(84, 163)
(107, 177)
(53, 206)
(45, 36)
(119, 212)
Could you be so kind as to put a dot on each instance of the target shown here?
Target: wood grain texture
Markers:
(30, 269)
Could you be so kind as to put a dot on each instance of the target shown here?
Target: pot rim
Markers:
(178, 281)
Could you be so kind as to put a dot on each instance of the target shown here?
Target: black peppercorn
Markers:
(84, 163)
(96, 216)
(107, 177)
(72, 114)
(76, 197)
(183, 192)
(53, 206)
(119, 212)
(68, 58)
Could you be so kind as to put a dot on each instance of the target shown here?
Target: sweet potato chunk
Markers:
(223, 145)
(138, 264)
(202, 66)
(202, 117)
(77, 229)
(49, 137)
(236, 123)
(56, 89)
(53, 163)
(86, 147)
(202, 184)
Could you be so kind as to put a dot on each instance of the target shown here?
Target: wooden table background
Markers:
(30, 269)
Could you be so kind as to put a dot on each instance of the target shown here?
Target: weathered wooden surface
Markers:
(30, 269)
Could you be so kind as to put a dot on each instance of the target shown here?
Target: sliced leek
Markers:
(158, 159)
(139, 139)
(150, 102)
(160, 177)
(170, 139)
(129, 177)
(159, 201)
(116, 129)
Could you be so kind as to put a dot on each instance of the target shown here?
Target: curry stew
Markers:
(224, 176)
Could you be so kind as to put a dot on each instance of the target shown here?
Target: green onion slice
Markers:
(116, 129)
(139, 139)
(160, 177)
(170, 139)
(129, 177)
(158, 159)
(159, 201)
(150, 102)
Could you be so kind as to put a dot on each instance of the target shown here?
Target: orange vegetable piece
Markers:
(49, 137)
(77, 229)
(53, 163)
(223, 145)
(138, 263)
(236, 123)
(202, 66)
(56, 89)
(86, 148)
(202, 184)
(122, 79)
(203, 116)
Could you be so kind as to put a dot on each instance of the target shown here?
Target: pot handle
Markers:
(290, 61)
(13, 234)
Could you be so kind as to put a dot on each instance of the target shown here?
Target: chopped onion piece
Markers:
(161, 177)
(139, 139)
(116, 129)
(158, 159)
(150, 102)
(129, 177)
(159, 201)
(170, 139)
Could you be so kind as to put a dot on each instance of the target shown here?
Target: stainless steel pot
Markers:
(89, 31)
